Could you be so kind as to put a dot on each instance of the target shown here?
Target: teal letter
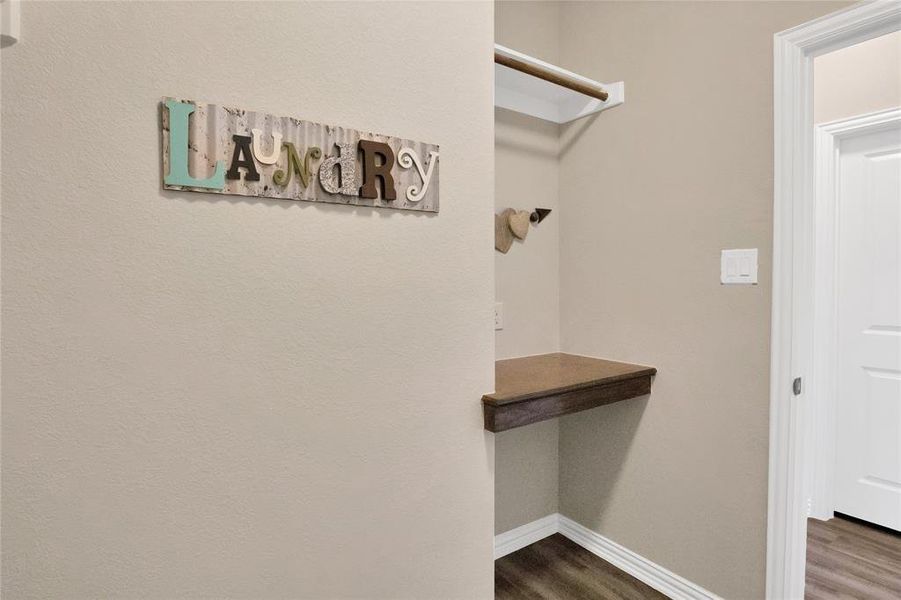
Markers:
(178, 151)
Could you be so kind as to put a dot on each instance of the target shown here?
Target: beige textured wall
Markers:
(653, 190)
(526, 166)
(857, 80)
(526, 475)
(209, 396)
(527, 277)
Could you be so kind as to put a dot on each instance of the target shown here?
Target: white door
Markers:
(868, 426)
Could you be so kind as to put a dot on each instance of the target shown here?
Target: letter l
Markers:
(178, 151)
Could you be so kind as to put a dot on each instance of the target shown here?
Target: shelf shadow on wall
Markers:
(524, 134)
(570, 133)
(593, 449)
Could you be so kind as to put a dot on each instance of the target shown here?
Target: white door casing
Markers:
(793, 275)
(868, 374)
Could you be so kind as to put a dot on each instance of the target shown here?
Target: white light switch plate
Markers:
(739, 267)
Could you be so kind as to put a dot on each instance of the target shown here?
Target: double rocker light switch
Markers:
(739, 267)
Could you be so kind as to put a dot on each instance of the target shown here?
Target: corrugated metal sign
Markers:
(223, 150)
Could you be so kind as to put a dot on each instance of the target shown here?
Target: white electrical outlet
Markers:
(498, 315)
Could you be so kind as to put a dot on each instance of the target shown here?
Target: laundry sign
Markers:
(224, 150)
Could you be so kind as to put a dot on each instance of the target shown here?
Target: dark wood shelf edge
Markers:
(646, 373)
(541, 406)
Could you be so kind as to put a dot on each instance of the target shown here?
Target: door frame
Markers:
(822, 387)
(794, 252)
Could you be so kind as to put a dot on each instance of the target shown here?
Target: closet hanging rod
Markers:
(542, 70)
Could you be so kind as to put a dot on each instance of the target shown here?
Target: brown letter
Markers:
(242, 148)
(371, 170)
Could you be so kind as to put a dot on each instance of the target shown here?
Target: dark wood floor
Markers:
(850, 560)
(846, 560)
(557, 569)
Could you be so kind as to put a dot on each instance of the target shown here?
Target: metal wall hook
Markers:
(538, 215)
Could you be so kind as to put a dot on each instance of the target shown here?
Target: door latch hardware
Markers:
(796, 386)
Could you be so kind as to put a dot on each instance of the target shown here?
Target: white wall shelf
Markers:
(524, 93)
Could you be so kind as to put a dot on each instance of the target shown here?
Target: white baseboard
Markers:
(515, 539)
(663, 580)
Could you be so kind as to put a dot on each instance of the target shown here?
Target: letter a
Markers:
(242, 148)
(179, 112)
